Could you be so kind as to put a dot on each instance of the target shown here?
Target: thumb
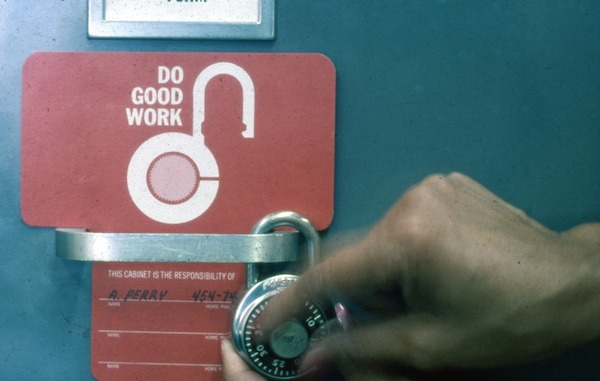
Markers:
(234, 368)
(413, 342)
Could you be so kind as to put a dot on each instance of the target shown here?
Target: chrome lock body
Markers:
(278, 354)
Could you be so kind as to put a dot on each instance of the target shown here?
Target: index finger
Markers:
(356, 272)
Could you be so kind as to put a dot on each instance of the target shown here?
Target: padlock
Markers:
(277, 354)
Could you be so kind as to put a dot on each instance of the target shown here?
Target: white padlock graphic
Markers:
(173, 177)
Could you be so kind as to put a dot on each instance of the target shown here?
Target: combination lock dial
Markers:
(277, 354)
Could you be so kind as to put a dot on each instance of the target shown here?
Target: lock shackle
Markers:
(286, 218)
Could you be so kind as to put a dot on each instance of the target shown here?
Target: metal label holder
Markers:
(261, 26)
(81, 245)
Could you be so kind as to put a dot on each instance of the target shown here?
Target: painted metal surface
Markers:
(506, 92)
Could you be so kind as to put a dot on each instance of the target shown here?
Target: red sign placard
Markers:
(172, 143)
(176, 142)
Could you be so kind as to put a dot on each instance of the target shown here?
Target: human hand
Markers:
(234, 367)
(455, 278)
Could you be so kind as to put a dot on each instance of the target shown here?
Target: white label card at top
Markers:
(207, 11)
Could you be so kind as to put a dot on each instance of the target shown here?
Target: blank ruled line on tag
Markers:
(109, 331)
(136, 363)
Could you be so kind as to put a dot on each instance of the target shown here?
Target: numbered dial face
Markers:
(278, 354)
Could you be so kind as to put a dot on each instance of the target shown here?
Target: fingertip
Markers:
(228, 355)
(226, 347)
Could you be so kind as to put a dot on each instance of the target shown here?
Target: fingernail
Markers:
(225, 346)
(344, 317)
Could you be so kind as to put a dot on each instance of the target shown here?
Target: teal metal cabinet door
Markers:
(506, 92)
